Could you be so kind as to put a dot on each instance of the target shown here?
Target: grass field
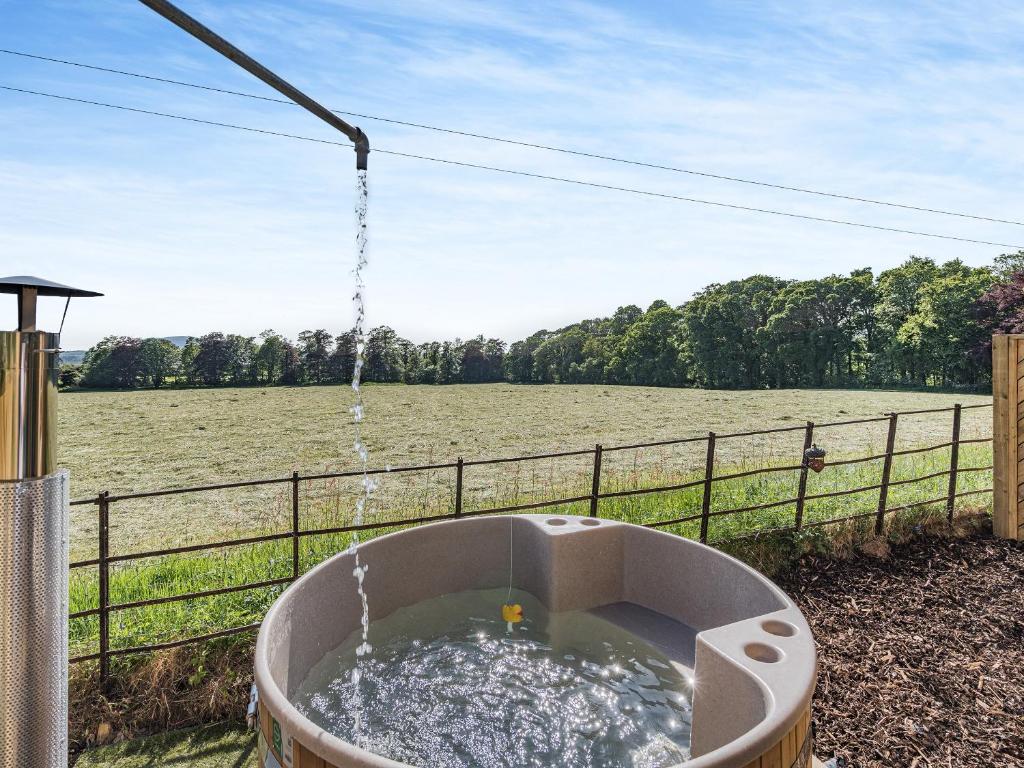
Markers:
(144, 440)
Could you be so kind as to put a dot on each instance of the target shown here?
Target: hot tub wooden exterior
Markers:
(793, 751)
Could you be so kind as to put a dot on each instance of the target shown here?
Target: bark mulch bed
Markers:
(921, 654)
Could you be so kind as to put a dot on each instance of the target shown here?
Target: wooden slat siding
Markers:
(1006, 435)
(1000, 443)
(304, 758)
(773, 757)
(263, 718)
(1016, 435)
(788, 748)
(800, 731)
(781, 755)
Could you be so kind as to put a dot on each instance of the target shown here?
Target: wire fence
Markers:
(699, 517)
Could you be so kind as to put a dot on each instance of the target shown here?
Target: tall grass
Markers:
(327, 505)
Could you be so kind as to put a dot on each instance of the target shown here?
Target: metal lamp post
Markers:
(33, 539)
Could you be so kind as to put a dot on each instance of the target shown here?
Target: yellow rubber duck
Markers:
(511, 614)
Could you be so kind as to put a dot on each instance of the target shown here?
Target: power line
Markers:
(509, 171)
(528, 144)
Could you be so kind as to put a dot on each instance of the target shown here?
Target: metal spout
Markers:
(206, 35)
(362, 150)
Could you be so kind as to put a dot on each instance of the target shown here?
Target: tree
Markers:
(649, 352)
(429, 356)
(625, 317)
(943, 330)
(898, 292)
(999, 310)
(473, 364)
(70, 375)
(315, 351)
(494, 352)
(723, 332)
(342, 363)
(189, 353)
(241, 366)
(270, 357)
(291, 364)
(815, 330)
(410, 361)
(448, 363)
(112, 363)
(1006, 265)
(518, 361)
(383, 356)
(159, 359)
(211, 360)
(558, 358)
(920, 323)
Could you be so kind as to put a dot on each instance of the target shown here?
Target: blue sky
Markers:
(190, 228)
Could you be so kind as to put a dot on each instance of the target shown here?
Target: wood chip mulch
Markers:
(921, 654)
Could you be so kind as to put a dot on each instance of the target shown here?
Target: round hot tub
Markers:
(674, 650)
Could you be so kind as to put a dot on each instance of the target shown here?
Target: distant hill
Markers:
(75, 356)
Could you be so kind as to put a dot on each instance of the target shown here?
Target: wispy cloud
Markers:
(912, 102)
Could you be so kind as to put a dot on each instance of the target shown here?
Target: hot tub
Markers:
(749, 648)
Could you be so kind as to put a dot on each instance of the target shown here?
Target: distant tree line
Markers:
(918, 324)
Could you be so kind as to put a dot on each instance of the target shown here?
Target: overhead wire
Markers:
(514, 172)
(529, 144)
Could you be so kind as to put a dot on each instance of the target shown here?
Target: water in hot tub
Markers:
(448, 687)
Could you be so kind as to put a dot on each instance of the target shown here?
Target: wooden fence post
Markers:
(954, 463)
(709, 475)
(295, 525)
(883, 493)
(104, 586)
(801, 491)
(595, 486)
(458, 487)
(1007, 434)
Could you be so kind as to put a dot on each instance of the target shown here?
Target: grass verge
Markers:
(223, 745)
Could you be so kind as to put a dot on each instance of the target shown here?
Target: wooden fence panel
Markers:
(1007, 435)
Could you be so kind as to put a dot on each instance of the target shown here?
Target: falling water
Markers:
(368, 484)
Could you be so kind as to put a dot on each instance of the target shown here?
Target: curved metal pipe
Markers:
(206, 35)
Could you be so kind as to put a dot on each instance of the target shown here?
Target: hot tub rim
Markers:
(741, 750)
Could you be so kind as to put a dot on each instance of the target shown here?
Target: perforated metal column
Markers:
(34, 622)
